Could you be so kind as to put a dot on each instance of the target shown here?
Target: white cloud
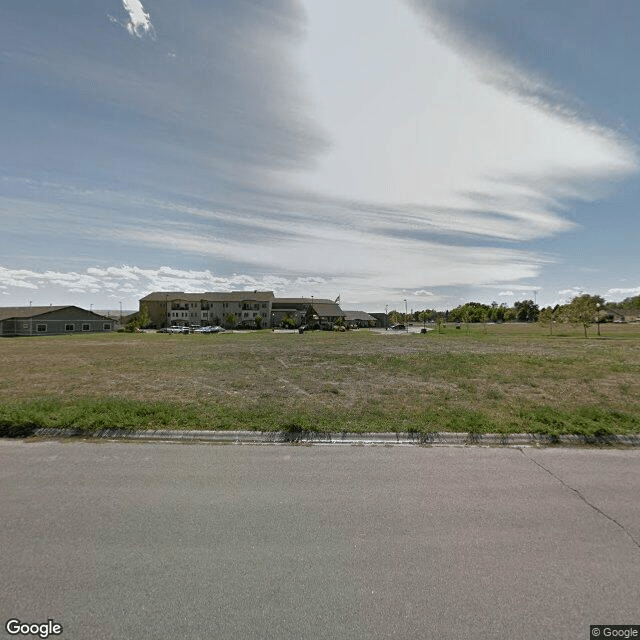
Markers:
(18, 278)
(506, 294)
(414, 122)
(134, 282)
(139, 21)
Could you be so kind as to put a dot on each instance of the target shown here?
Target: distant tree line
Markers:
(584, 310)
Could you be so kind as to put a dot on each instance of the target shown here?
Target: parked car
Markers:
(397, 327)
(209, 329)
(177, 329)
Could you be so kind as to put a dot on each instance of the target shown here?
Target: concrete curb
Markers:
(311, 437)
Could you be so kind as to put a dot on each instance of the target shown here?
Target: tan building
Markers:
(228, 309)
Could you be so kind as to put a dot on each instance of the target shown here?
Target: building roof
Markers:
(32, 312)
(302, 300)
(327, 309)
(358, 315)
(211, 296)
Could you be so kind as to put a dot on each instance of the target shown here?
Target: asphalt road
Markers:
(156, 540)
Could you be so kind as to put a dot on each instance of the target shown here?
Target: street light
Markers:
(406, 314)
(598, 318)
(386, 316)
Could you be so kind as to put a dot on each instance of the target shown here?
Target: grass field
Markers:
(495, 379)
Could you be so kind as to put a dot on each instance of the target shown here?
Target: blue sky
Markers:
(437, 151)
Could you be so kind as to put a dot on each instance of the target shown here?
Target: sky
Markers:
(428, 151)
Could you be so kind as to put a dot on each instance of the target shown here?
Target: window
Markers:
(41, 328)
(69, 327)
(107, 326)
(86, 327)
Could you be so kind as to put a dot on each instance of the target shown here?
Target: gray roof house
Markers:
(306, 311)
(359, 319)
(51, 320)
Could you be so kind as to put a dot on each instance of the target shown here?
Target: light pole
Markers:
(386, 316)
(406, 318)
(598, 318)
(120, 313)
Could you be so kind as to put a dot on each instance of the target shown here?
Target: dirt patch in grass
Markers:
(502, 378)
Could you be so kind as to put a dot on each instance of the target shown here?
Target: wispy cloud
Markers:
(139, 21)
(626, 292)
(423, 127)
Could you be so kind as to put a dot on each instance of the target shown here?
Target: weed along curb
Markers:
(319, 438)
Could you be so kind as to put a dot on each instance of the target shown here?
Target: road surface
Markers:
(116, 540)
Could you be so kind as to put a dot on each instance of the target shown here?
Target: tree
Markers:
(139, 321)
(288, 322)
(395, 317)
(471, 312)
(526, 311)
(630, 303)
(498, 314)
(547, 315)
(584, 310)
(424, 316)
(258, 321)
(230, 320)
(143, 317)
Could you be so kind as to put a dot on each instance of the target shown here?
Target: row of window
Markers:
(225, 305)
(205, 314)
(42, 327)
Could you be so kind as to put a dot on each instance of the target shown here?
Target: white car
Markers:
(176, 329)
